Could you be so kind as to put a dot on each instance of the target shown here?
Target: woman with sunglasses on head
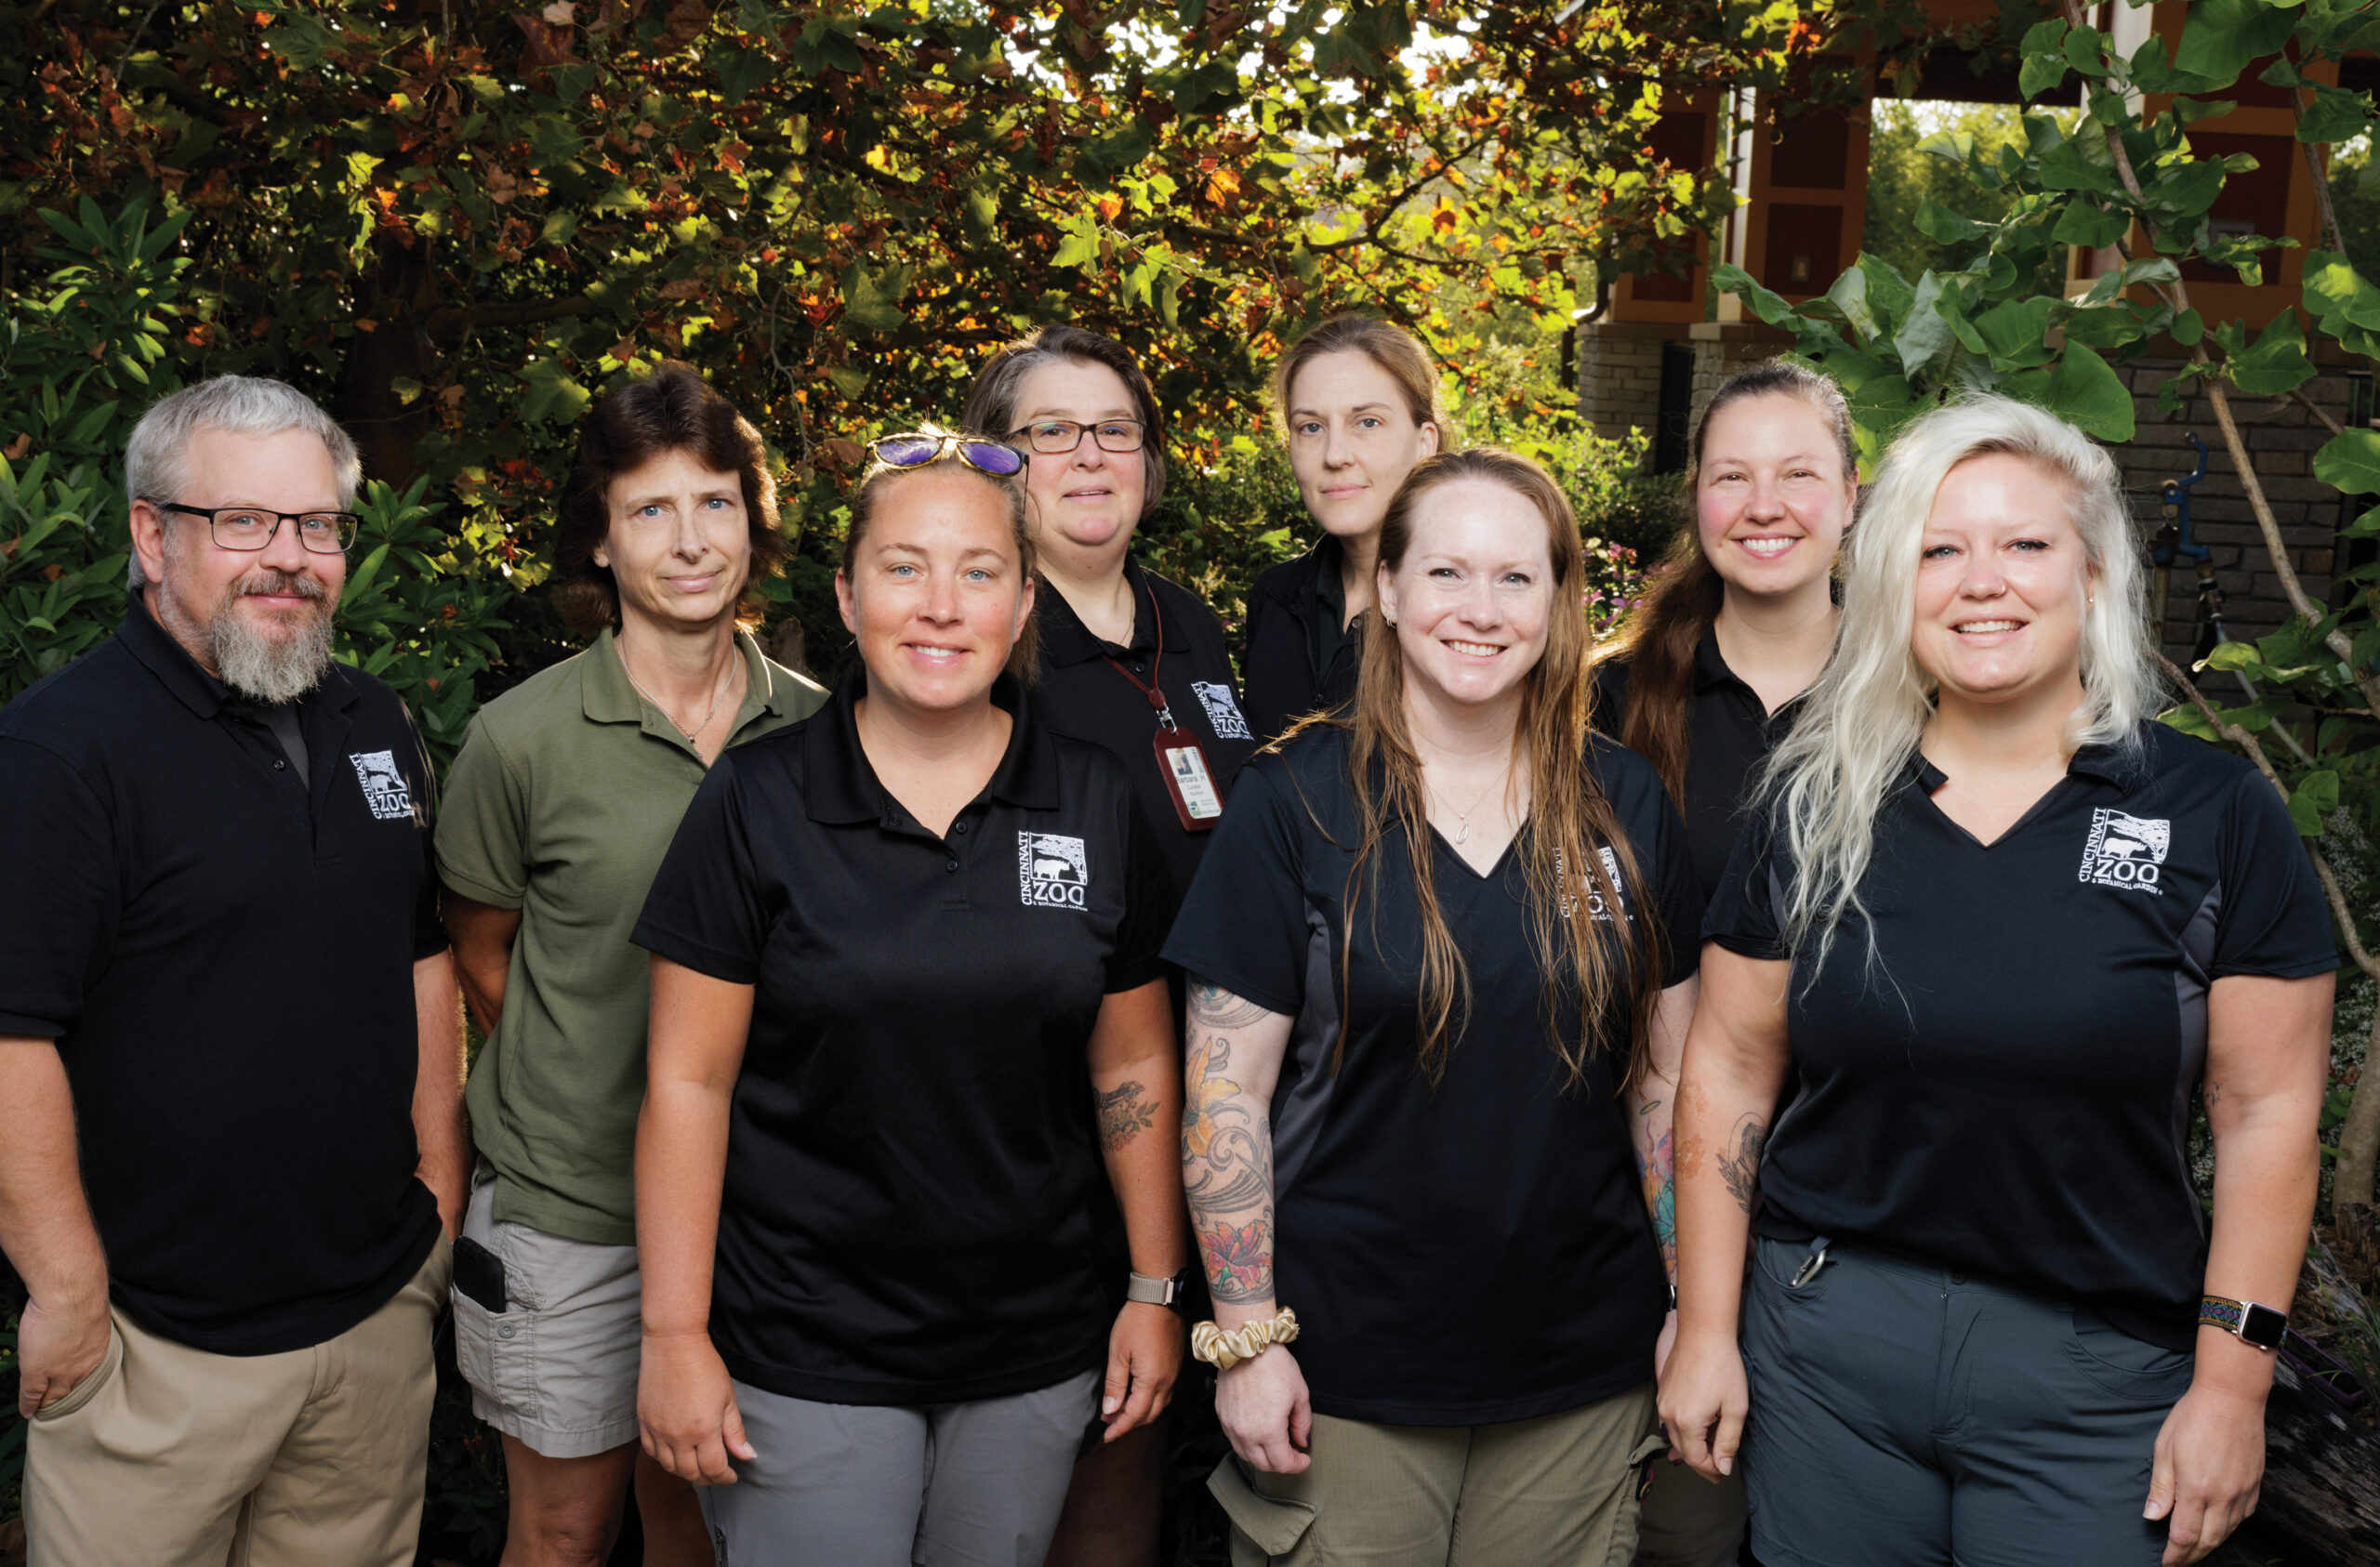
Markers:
(896, 948)
(1358, 402)
(1136, 664)
(2001, 926)
(555, 818)
(1442, 947)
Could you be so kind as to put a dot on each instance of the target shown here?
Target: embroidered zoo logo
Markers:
(2125, 850)
(1222, 711)
(384, 786)
(1052, 870)
(1595, 907)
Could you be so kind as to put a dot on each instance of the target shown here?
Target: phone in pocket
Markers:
(478, 1274)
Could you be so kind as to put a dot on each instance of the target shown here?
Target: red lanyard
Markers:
(1150, 689)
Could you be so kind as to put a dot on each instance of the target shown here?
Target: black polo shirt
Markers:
(1458, 1254)
(906, 1214)
(1079, 692)
(224, 954)
(1731, 735)
(2008, 1090)
(1300, 658)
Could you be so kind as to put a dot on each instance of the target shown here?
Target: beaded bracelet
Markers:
(1224, 1350)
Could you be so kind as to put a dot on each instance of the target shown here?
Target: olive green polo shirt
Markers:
(566, 797)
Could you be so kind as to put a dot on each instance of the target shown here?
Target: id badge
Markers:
(1195, 798)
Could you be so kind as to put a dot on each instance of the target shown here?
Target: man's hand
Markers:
(2209, 1468)
(1264, 1411)
(1144, 1358)
(57, 1347)
(685, 1409)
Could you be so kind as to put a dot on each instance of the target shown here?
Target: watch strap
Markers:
(2244, 1319)
(1153, 1292)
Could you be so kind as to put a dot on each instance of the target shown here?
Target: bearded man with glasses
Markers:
(232, 1148)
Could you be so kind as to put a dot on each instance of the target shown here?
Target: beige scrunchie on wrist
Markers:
(1223, 1350)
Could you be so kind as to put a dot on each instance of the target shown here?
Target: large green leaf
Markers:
(1924, 340)
(2337, 294)
(2080, 389)
(2350, 461)
(2278, 363)
(2221, 37)
(2335, 115)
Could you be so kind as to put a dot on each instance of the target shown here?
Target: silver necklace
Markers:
(718, 695)
(1462, 831)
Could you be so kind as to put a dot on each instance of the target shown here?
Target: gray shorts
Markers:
(975, 1484)
(1906, 1416)
(558, 1367)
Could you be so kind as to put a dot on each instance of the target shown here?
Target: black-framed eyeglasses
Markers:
(917, 448)
(1051, 437)
(253, 527)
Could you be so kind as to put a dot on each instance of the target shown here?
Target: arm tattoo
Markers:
(1125, 1111)
(1742, 1167)
(1657, 1172)
(1227, 1153)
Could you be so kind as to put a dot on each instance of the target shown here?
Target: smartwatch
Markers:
(1157, 1292)
(2244, 1319)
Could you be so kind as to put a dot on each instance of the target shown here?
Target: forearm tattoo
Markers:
(1227, 1153)
(1741, 1166)
(1657, 1170)
(1125, 1111)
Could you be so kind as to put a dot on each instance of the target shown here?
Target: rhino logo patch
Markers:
(2127, 851)
(1052, 871)
(384, 786)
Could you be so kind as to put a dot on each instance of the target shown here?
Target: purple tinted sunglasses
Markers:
(918, 448)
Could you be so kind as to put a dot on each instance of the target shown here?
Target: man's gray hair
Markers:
(154, 459)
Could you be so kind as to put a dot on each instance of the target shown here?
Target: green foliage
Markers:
(1950, 208)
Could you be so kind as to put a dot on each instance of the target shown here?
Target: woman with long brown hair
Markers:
(1357, 403)
(1443, 949)
(1710, 671)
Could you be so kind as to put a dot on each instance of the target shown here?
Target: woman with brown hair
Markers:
(555, 818)
(1358, 402)
(1443, 954)
(1708, 675)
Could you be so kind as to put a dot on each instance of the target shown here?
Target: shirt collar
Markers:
(1329, 556)
(2126, 767)
(197, 690)
(840, 785)
(1711, 665)
(608, 697)
(1067, 641)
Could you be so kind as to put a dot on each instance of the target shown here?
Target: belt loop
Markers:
(1817, 1260)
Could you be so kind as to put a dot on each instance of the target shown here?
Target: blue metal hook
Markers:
(2176, 493)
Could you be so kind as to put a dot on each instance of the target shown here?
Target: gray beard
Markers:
(269, 669)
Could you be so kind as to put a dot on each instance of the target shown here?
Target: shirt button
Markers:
(279, 766)
(1138, 667)
(950, 864)
(962, 829)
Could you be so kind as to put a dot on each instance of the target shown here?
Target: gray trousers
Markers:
(975, 1484)
(1906, 1416)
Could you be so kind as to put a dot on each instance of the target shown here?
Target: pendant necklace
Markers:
(1462, 831)
(719, 693)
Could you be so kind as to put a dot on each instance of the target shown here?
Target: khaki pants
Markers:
(169, 1456)
(1687, 1522)
(1558, 1490)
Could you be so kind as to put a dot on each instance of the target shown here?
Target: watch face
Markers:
(2262, 1326)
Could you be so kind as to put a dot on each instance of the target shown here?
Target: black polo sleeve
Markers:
(2273, 919)
(1743, 915)
(1243, 925)
(59, 898)
(1667, 862)
(706, 909)
(1140, 935)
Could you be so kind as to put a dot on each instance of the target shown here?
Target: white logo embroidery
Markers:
(1595, 907)
(384, 786)
(1052, 871)
(1222, 711)
(2125, 850)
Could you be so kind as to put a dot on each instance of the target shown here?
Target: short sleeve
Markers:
(2272, 918)
(705, 909)
(1743, 915)
(1242, 927)
(59, 898)
(483, 824)
(1140, 934)
(1670, 869)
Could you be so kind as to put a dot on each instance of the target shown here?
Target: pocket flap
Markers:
(88, 1389)
(1653, 1443)
(1273, 1523)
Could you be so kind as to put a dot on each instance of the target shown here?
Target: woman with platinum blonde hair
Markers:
(2000, 925)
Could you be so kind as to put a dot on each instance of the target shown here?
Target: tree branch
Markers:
(2321, 414)
(453, 320)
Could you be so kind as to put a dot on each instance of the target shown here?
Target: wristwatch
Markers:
(1157, 1292)
(2244, 1319)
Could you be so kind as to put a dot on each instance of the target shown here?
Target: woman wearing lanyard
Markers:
(1740, 618)
(1137, 665)
(555, 818)
(1358, 404)
(1999, 923)
(1436, 937)
(872, 1325)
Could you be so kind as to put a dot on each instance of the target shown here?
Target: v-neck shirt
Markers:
(2005, 1089)
(1460, 1252)
(906, 1214)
